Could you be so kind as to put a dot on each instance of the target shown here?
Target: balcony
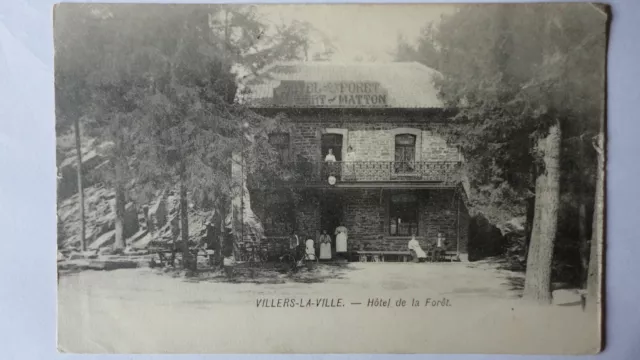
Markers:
(442, 172)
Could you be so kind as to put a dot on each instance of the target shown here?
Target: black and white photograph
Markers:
(330, 178)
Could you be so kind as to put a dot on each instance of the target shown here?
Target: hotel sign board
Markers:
(331, 94)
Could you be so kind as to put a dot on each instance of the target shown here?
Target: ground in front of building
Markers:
(144, 310)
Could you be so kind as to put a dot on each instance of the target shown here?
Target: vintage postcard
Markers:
(330, 178)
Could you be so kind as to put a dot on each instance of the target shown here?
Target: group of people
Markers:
(331, 157)
(348, 164)
(323, 247)
(350, 157)
(324, 250)
(420, 255)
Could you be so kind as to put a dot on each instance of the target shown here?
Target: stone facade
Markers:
(373, 137)
(365, 211)
(365, 214)
(367, 219)
(283, 211)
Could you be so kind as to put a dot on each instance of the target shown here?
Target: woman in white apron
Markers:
(325, 246)
(341, 241)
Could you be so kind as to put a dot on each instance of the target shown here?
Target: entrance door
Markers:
(331, 215)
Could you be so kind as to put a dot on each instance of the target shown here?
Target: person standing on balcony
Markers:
(348, 171)
(325, 246)
(330, 164)
(341, 241)
(330, 158)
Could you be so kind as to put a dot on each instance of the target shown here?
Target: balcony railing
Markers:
(358, 171)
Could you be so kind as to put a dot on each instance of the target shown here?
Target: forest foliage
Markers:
(158, 83)
(515, 73)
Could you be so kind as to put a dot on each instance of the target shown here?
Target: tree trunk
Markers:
(83, 236)
(226, 36)
(584, 243)
(594, 285)
(545, 223)
(531, 211)
(531, 202)
(223, 230)
(184, 218)
(120, 242)
(237, 176)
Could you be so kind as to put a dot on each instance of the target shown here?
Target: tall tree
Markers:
(594, 282)
(71, 99)
(181, 89)
(64, 112)
(252, 43)
(424, 51)
(87, 86)
(161, 75)
(525, 80)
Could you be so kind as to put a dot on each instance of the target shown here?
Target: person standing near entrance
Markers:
(341, 241)
(294, 241)
(415, 249)
(325, 246)
(440, 247)
(310, 249)
(296, 246)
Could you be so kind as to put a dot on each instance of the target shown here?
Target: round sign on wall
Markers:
(332, 180)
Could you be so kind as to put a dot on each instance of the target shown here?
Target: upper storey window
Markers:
(405, 158)
(332, 143)
(280, 142)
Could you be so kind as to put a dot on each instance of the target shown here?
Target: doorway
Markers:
(332, 142)
(331, 214)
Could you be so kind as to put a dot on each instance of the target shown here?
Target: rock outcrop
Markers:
(99, 217)
(92, 158)
(144, 225)
(157, 214)
(140, 233)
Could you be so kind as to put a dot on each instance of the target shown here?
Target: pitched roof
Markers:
(408, 84)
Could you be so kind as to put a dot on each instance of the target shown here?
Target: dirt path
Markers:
(140, 310)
